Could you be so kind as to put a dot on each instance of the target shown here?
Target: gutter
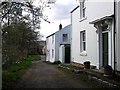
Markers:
(74, 9)
(114, 38)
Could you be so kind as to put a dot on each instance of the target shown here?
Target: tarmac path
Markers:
(43, 75)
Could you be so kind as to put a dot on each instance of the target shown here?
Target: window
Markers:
(83, 41)
(52, 53)
(65, 37)
(53, 39)
(82, 9)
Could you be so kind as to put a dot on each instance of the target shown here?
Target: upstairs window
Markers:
(65, 37)
(82, 9)
(83, 41)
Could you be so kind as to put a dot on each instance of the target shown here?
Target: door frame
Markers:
(100, 47)
(98, 24)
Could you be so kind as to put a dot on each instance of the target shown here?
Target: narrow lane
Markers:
(42, 75)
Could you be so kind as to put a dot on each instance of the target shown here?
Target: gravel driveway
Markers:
(42, 75)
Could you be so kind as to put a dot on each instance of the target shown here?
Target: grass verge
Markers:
(12, 74)
(54, 63)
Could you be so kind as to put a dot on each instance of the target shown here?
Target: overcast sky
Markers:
(59, 13)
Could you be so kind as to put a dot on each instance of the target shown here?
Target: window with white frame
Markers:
(82, 41)
(52, 53)
(65, 37)
(82, 9)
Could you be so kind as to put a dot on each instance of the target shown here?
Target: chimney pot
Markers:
(60, 26)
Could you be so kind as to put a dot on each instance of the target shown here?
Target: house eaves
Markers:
(50, 35)
(58, 31)
(63, 28)
(74, 9)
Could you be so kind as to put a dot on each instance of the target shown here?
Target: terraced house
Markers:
(58, 45)
(96, 33)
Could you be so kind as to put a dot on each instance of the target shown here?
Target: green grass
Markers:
(54, 63)
(48, 62)
(11, 75)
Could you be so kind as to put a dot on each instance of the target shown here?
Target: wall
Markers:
(75, 35)
(97, 10)
(94, 10)
(59, 39)
(49, 47)
(118, 36)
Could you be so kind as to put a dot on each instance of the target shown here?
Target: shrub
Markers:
(56, 62)
(15, 72)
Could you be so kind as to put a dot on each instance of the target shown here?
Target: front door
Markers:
(105, 48)
(67, 54)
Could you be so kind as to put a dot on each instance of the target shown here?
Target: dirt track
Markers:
(42, 75)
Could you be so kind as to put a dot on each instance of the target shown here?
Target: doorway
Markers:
(67, 54)
(105, 48)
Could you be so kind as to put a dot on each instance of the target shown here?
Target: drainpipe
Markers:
(114, 37)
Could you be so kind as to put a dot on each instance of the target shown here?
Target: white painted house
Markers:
(57, 45)
(96, 33)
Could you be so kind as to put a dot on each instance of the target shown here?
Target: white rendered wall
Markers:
(49, 48)
(59, 39)
(97, 10)
(75, 35)
(94, 10)
(118, 36)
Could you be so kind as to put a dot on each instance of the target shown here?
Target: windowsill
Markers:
(83, 53)
(84, 18)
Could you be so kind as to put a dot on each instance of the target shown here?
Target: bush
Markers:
(57, 62)
(15, 72)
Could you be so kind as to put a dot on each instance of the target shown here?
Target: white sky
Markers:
(59, 13)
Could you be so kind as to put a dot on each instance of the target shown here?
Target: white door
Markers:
(62, 53)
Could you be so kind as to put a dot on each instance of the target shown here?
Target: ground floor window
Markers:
(82, 41)
(52, 53)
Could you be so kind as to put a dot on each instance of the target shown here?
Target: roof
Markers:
(50, 35)
(74, 9)
(101, 19)
(58, 31)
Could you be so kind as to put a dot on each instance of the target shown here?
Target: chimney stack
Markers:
(60, 26)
